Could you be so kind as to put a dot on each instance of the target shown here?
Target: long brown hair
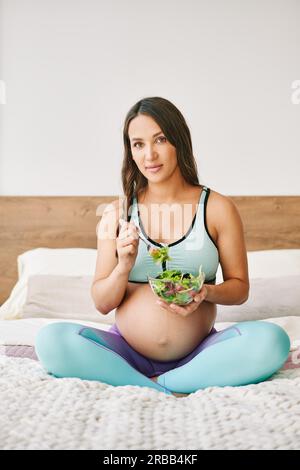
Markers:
(174, 126)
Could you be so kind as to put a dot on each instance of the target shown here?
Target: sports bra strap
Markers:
(203, 194)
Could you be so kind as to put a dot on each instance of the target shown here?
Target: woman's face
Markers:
(150, 147)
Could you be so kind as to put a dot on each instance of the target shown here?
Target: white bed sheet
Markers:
(41, 412)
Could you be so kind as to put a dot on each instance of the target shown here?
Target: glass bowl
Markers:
(177, 291)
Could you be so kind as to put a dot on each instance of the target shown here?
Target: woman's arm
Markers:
(108, 293)
(232, 254)
(110, 280)
(230, 292)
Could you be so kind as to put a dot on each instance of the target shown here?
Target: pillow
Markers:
(55, 261)
(67, 297)
(63, 261)
(268, 298)
(270, 263)
(273, 263)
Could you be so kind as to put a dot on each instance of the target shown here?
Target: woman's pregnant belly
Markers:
(157, 333)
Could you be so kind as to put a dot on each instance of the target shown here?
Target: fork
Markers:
(146, 243)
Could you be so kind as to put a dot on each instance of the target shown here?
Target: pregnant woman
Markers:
(173, 349)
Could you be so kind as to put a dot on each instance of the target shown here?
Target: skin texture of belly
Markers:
(157, 333)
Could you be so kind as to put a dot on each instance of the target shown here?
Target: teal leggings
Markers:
(247, 352)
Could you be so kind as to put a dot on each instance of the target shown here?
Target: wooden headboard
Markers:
(27, 222)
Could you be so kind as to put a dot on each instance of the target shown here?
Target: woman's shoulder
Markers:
(219, 200)
(220, 207)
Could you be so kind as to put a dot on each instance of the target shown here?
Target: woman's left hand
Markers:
(185, 310)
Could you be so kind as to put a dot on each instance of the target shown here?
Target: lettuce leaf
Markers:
(159, 255)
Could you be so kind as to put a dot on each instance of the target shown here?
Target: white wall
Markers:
(73, 68)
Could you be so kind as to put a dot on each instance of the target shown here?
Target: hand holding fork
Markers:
(121, 221)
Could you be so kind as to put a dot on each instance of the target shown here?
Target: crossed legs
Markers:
(249, 352)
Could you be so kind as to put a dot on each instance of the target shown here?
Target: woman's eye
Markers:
(164, 138)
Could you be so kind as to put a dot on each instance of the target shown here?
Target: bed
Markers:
(47, 261)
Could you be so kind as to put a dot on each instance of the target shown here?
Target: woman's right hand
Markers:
(127, 245)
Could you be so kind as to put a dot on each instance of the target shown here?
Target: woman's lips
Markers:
(155, 169)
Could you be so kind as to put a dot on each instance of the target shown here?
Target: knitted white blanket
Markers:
(38, 411)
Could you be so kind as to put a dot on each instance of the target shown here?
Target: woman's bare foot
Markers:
(176, 394)
(180, 394)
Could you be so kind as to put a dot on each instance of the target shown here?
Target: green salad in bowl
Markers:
(174, 286)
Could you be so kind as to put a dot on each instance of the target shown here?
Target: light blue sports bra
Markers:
(195, 248)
